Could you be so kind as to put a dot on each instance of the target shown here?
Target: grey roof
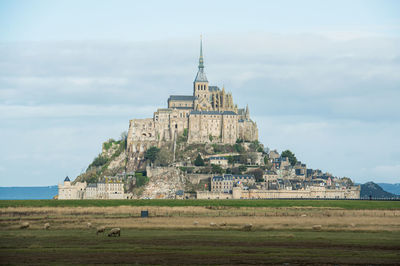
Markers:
(222, 178)
(179, 193)
(195, 112)
(183, 107)
(92, 185)
(201, 76)
(213, 88)
(241, 111)
(243, 176)
(181, 98)
(232, 177)
(67, 179)
(218, 158)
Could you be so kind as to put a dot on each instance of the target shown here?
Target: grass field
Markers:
(198, 246)
(345, 204)
(353, 232)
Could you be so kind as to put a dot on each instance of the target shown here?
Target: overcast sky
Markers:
(321, 78)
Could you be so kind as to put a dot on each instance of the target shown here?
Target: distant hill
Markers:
(375, 191)
(392, 188)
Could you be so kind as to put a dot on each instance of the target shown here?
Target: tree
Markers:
(124, 139)
(164, 157)
(258, 174)
(243, 158)
(217, 169)
(99, 161)
(290, 155)
(239, 148)
(151, 154)
(242, 168)
(199, 161)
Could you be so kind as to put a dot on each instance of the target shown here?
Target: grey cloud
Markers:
(327, 99)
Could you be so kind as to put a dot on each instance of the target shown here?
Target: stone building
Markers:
(109, 189)
(314, 192)
(208, 116)
(219, 160)
(69, 191)
(226, 182)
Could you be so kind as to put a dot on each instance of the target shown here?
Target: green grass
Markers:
(190, 247)
(345, 204)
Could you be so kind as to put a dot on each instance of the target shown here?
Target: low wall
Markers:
(213, 195)
(196, 178)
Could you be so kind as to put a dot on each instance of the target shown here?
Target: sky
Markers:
(321, 78)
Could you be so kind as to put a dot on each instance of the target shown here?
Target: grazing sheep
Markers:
(46, 226)
(304, 215)
(222, 224)
(213, 224)
(317, 227)
(24, 225)
(100, 229)
(115, 232)
(247, 227)
(89, 225)
(195, 223)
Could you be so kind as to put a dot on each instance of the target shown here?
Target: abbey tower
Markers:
(207, 116)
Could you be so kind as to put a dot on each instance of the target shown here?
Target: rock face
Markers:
(164, 183)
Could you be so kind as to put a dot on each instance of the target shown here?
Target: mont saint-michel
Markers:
(203, 146)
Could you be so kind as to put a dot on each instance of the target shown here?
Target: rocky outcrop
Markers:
(163, 183)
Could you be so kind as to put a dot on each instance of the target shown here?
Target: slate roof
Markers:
(201, 76)
(213, 88)
(222, 178)
(195, 112)
(218, 158)
(232, 177)
(183, 107)
(181, 98)
(67, 179)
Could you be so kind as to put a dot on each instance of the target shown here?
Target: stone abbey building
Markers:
(207, 116)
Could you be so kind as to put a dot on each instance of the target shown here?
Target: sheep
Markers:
(46, 226)
(115, 232)
(195, 223)
(213, 224)
(89, 225)
(100, 229)
(317, 227)
(222, 224)
(24, 225)
(247, 227)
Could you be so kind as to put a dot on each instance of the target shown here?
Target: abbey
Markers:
(207, 116)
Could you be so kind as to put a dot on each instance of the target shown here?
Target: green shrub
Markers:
(99, 161)
(217, 169)
(151, 154)
(242, 168)
(199, 161)
(141, 179)
(239, 148)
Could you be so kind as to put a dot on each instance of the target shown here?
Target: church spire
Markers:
(201, 60)
(201, 76)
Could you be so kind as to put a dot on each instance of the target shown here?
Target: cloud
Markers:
(333, 101)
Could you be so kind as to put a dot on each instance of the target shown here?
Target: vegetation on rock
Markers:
(199, 161)
(290, 155)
